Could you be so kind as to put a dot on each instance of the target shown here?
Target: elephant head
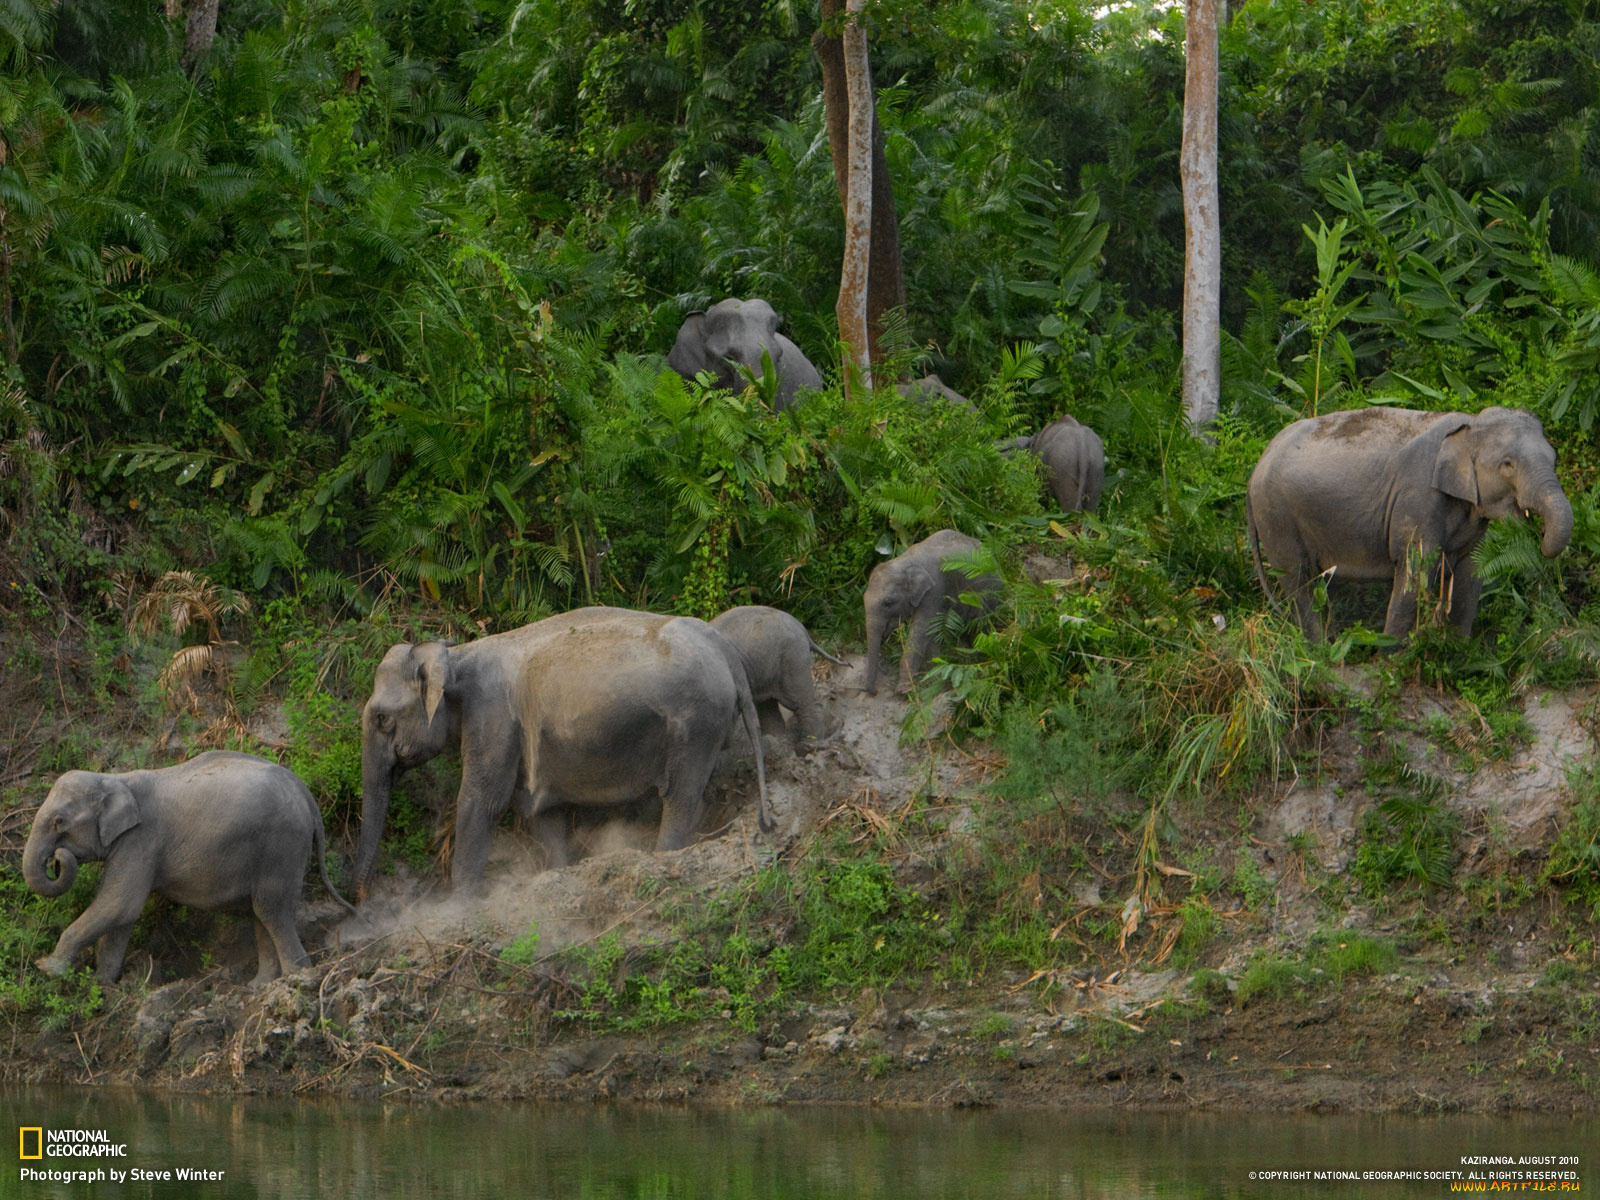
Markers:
(1499, 462)
(405, 723)
(79, 820)
(895, 590)
(733, 334)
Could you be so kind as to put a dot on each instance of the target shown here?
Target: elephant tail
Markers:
(1255, 555)
(816, 649)
(752, 726)
(319, 843)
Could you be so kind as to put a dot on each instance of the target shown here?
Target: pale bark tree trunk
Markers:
(201, 32)
(886, 287)
(1202, 230)
(852, 307)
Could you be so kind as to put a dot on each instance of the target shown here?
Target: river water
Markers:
(289, 1150)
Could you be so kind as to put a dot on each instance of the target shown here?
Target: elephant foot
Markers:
(54, 965)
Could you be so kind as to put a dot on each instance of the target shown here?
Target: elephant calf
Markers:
(919, 586)
(1364, 492)
(777, 650)
(1074, 461)
(218, 830)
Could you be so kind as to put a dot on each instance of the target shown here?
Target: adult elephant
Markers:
(1362, 492)
(219, 830)
(599, 706)
(920, 586)
(1074, 461)
(733, 333)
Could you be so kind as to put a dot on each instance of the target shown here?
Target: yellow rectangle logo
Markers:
(38, 1141)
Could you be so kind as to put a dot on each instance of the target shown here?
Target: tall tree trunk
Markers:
(853, 276)
(886, 287)
(1202, 231)
(201, 32)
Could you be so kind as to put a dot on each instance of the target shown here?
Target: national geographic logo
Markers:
(36, 1142)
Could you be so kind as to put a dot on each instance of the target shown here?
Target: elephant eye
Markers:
(383, 721)
(60, 821)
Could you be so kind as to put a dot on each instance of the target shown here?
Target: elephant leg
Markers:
(771, 717)
(918, 651)
(114, 910)
(488, 778)
(1402, 615)
(683, 788)
(800, 695)
(266, 954)
(110, 951)
(1298, 585)
(550, 829)
(275, 912)
(1465, 589)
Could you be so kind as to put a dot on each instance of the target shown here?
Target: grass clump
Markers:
(1408, 836)
(1329, 959)
(1574, 862)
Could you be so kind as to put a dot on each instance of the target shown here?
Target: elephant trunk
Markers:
(377, 781)
(1551, 503)
(874, 645)
(36, 860)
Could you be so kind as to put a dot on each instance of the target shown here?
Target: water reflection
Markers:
(277, 1150)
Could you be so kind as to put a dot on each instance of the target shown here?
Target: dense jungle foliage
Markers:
(362, 319)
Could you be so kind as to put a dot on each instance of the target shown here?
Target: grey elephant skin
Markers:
(930, 388)
(733, 333)
(598, 707)
(1358, 492)
(776, 650)
(221, 829)
(918, 586)
(1074, 461)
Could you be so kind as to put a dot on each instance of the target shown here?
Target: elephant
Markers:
(920, 586)
(776, 650)
(733, 333)
(1074, 461)
(595, 707)
(221, 829)
(930, 388)
(1363, 491)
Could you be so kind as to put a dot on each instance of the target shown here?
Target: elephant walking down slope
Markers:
(220, 829)
(919, 587)
(600, 706)
(1361, 492)
(776, 650)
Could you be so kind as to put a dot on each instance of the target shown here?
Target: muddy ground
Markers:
(1488, 1006)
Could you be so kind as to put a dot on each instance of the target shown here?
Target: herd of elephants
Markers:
(604, 706)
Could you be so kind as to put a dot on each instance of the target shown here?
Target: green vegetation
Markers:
(1328, 959)
(359, 319)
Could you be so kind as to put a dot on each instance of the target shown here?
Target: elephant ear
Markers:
(1453, 472)
(433, 674)
(688, 354)
(118, 812)
(918, 587)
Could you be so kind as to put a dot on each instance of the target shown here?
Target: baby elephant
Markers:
(919, 586)
(777, 651)
(1074, 463)
(220, 829)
